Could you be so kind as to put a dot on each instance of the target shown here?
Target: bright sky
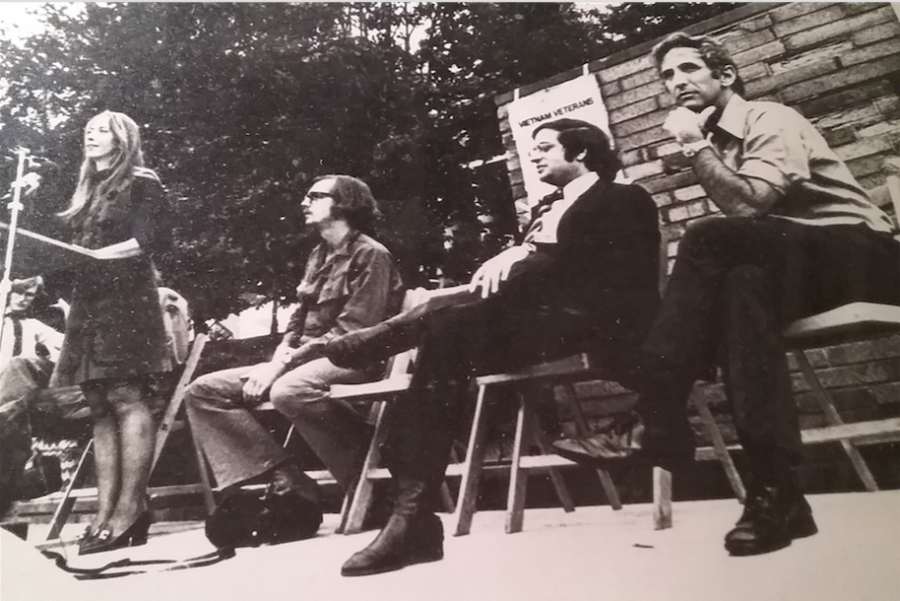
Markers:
(17, 19)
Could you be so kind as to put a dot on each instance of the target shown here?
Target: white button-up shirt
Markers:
(543, 230)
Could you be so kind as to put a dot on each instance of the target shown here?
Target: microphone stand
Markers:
(15, 206)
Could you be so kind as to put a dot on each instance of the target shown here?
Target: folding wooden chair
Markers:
(562, 374)
(396, 383)
(64, 509)
(853, 322)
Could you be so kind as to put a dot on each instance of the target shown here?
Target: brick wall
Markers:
(836, 63)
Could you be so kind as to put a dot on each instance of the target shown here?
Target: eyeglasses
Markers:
(542, 148)
(318, 195)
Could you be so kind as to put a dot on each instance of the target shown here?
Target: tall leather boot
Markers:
(361, 348)
(412, 535)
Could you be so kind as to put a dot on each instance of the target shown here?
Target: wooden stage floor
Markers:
(591, 554)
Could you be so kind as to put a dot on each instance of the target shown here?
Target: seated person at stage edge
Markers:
(799, 236)
(28, 351)
(585, 278)
(350, 282)
(28, 348)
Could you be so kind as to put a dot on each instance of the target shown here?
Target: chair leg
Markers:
(559, 484)
(288, 437)
(662, 499)
(362, 495)
(518, 477)
(567, 391)
(471, 473)
(67, 503)
(345, 513)
(168, 421)
(177, 400)
(721, 451)
(447, 499)
(834, 419)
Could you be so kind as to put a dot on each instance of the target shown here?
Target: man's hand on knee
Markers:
(496, 270)
(261, 379)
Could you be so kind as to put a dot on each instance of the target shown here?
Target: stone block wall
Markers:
(836, 63)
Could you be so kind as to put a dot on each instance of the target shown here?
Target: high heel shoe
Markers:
(103, 540)
(86, 534)
(86, 537)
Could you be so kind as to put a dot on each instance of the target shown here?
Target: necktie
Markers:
(538, 211)
(543, 204)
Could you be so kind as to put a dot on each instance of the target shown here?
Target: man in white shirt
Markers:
(28, 347)
(797, 236)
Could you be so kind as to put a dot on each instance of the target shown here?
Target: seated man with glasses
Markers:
(350, 282)
(585, 278)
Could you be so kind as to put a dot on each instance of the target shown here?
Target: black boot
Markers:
(773, 516)
(362, 348)
(412, 535)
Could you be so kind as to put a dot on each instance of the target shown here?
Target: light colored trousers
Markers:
(238, 447)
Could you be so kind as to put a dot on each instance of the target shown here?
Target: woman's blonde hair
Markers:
(128, 156)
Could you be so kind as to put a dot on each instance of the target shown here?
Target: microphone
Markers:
(41, 165)
(37, 168)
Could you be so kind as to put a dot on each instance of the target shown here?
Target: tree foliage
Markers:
(242, 105)
(627, 24)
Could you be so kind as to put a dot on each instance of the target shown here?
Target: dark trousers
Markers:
(497, 334)
(736, 283)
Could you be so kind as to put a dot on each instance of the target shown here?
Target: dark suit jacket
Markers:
(605, 263)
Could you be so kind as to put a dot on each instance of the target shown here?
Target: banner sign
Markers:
(579, 98)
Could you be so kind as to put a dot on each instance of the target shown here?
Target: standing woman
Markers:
(115, 336)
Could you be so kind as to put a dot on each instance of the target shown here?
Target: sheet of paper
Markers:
(35, 254)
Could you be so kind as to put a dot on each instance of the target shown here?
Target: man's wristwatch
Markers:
(692, 148)
(286, 358)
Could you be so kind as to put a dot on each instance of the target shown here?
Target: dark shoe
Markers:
(800, 522)
(86, 534)
(412, 535)
(103, 540)
(86, 538)
(626, 439)
(362, 348)
(404, 541)
(772, 518)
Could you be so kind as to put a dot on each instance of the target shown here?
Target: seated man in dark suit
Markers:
(585, 278)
